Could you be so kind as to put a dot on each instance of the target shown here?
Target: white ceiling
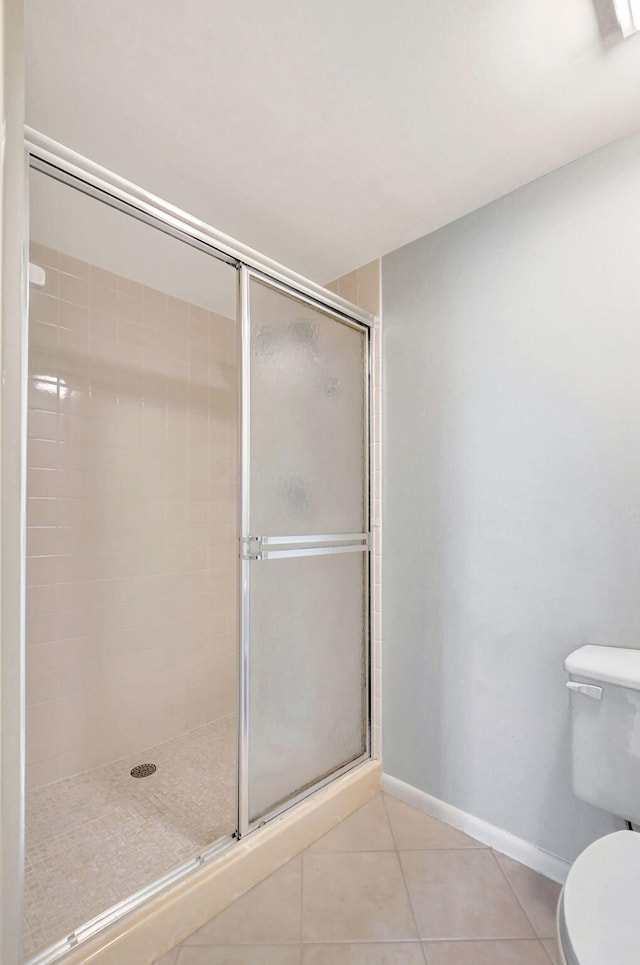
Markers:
(327, 132)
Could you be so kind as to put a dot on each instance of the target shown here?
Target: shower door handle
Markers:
(279, 547)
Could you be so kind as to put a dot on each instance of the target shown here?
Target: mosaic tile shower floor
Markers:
(94, 839)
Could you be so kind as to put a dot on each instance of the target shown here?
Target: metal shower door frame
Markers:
(49, 157)
(277, 547)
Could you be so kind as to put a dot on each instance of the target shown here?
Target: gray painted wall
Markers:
(511, 489)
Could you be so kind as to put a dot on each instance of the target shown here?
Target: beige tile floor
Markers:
(94, 839)
(387, 886)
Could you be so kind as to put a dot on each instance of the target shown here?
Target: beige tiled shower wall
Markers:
(131, 569)
(363, 288)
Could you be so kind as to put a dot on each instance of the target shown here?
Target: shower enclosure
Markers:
(197, 546)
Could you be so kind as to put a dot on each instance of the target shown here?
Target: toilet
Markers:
(598, 911)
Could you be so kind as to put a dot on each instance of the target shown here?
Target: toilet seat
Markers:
(599, 913)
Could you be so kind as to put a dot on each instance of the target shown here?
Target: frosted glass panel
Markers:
(307, 673)
(307, 419)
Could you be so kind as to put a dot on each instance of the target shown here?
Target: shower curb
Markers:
(149, 932)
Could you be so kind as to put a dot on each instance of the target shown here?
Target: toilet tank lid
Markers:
(612, 665)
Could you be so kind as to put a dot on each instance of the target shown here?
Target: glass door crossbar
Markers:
(274, 547)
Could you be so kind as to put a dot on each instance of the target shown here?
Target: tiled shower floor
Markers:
(387, 886)
(94, 839)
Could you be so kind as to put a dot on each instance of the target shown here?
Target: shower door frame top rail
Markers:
(67, 166)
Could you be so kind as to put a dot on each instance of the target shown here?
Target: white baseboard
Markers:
(503, 841)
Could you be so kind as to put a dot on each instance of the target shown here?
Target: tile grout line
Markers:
(536, 937)
(524, 910)
(395, 848)
(389, 941)
(406, 887)
(547, 952)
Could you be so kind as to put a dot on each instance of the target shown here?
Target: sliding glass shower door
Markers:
(134, 702)
(305, 545)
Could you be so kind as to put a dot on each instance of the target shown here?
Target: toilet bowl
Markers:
(598, 910)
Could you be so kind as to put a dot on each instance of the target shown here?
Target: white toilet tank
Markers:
(605, 728)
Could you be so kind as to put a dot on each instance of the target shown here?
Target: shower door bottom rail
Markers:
(82, 934)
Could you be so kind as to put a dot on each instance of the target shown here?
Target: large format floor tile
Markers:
(486, 953)
(170, 958)
(382, 953)
(240, 955)
(414, 831)
(537, 895)
(366, 830)
(462, 894)
(357, 897)
(269, 913)
(551, 946)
